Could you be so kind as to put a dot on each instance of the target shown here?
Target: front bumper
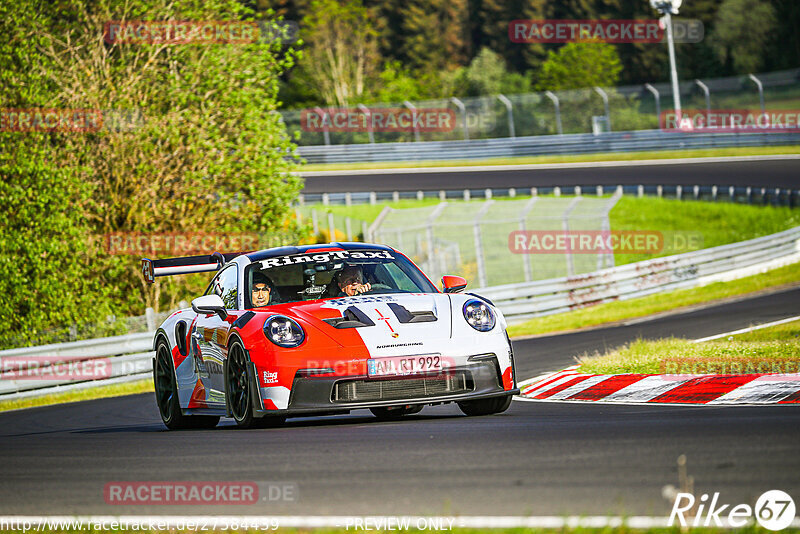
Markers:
(324, 394)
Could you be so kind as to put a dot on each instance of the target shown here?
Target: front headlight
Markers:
(479, 315)
(283, 331)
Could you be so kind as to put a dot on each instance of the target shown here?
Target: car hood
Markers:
(392, 323)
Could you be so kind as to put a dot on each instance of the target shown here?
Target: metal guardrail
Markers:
(129, 357)
(692, 269)
(633, 141)
(52, 368)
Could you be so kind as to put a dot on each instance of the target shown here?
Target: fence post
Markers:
(429, 234)
(150, 317)
(326, 199)
(526, 258)
(604, 96)
(368, 114)
(442, 195)
(410, 106)
(373, 198)
(509, 110)
(377, 222)
(460, 105)
(476, 230)
(657, 96)
(704, 87)
(714, 193)
(364, 231)
(331, 227)
(315, 221)
(565, 226)
(348, 199)
(640, 191)
(679, 192)
(556, 191)
(512, 192)
(325, 133)
(557, 105)
(420, 195)
(760, 91)
(348, 228)
(301, 199)
(732, 193)
(395, 196)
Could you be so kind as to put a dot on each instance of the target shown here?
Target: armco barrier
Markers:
(539, 145)
(545, 297)
(130, 356)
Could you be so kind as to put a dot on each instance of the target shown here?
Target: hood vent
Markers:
(405, 316)
(351, 318)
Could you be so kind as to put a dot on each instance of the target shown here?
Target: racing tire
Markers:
(167, 395)
(238, 387)
(392, 413)
(485, 406)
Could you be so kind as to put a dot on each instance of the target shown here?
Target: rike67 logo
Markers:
(774, 510)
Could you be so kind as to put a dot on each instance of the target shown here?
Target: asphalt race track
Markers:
(777, 172)
(537, 458)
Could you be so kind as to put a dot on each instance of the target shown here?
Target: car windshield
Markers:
(332, 274)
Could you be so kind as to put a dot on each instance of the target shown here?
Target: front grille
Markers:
(403, 388)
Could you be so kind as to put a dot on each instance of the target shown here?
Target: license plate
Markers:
(404, 365)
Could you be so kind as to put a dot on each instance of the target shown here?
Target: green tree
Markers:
(743, 30)
(209, 154)
(580, 64)
(486, 75)
(435, 34)
(341, 53)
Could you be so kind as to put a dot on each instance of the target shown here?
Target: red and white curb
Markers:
(570, 385)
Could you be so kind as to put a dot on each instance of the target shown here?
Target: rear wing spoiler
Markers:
(185, 265)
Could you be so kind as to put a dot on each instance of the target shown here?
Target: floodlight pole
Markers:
(673, 70)
(669, 8)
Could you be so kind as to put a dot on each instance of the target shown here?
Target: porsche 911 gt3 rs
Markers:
(325, 329)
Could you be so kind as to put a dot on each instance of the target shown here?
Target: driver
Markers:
(351, 281)
(262, 289)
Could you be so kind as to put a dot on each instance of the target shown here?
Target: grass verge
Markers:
(770, 350)
(576, 158)
(115, 390)
(611, 312)
(715, 223)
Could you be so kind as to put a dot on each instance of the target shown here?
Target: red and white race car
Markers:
(325, 329)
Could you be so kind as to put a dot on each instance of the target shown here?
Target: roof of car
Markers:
(323, 247)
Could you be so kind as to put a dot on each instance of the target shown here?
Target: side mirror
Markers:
(210, 304)
(453, 284)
